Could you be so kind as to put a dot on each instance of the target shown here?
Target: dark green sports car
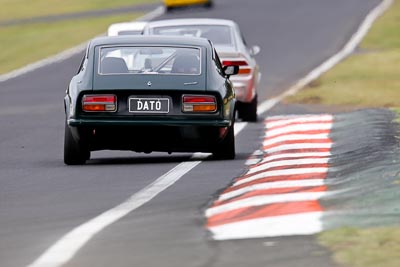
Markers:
(152, 93)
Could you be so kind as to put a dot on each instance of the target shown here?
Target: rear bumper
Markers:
(187, 136)
(134, 123)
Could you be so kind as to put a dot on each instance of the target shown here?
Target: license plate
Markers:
(148, 105)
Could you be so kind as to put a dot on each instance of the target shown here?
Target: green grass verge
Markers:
(28, 43)
(369, 78)
(377, 247)
(21, 9)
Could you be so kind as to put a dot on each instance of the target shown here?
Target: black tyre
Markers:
(226, 149)
(74, 152)
(248, 111)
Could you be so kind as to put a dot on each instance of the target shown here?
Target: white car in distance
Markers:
(126, 28)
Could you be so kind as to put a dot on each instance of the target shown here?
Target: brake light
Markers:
(199, 104)
(244, 67)
(99, 103)
(234, 63)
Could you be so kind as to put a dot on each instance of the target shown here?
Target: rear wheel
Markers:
(226, 149)
(248, 111)
(74, 152)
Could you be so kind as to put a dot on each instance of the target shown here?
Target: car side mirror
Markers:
(231, 70)
(254, 50)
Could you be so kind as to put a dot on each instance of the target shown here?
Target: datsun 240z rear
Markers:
(148, 94)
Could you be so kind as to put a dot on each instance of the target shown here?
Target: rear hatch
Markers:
(149, 68)
(155, 89)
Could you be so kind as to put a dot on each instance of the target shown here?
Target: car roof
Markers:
(134, 26)
(149, 40)
(201, 21)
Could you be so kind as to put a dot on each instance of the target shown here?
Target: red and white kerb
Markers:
(279, 195)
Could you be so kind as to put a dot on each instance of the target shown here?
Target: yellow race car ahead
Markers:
(170, 4)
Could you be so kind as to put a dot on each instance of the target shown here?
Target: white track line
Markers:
(304, 119)
(44, 62)
(298, 128)
(272, 185)
(287, 225)
(265, 200)
(239, 126)
(255, 158)
(253, 161)
(152, 15)
(286, 172)
(67, 53)
(66, 248)
(288, 163)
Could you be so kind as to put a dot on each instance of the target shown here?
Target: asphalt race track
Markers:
(41, 199)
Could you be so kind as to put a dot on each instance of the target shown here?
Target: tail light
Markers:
(99, 103)
(199, 103)
(244, 67)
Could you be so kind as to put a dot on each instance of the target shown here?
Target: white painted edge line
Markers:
(152, 14)
(272, 185)
(67, 53)
(251, 162)
(299, 128)
(286, 225)
(304, 119)
(285, 172)
(347, 50)
(239, 126)
(67, 247)
(44, 62)
(255, 158)
(288, 163)
(258, 153)
(265, 200)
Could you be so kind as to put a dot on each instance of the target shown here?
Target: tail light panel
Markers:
(244, 67)
(99, 103)
(199, 104)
